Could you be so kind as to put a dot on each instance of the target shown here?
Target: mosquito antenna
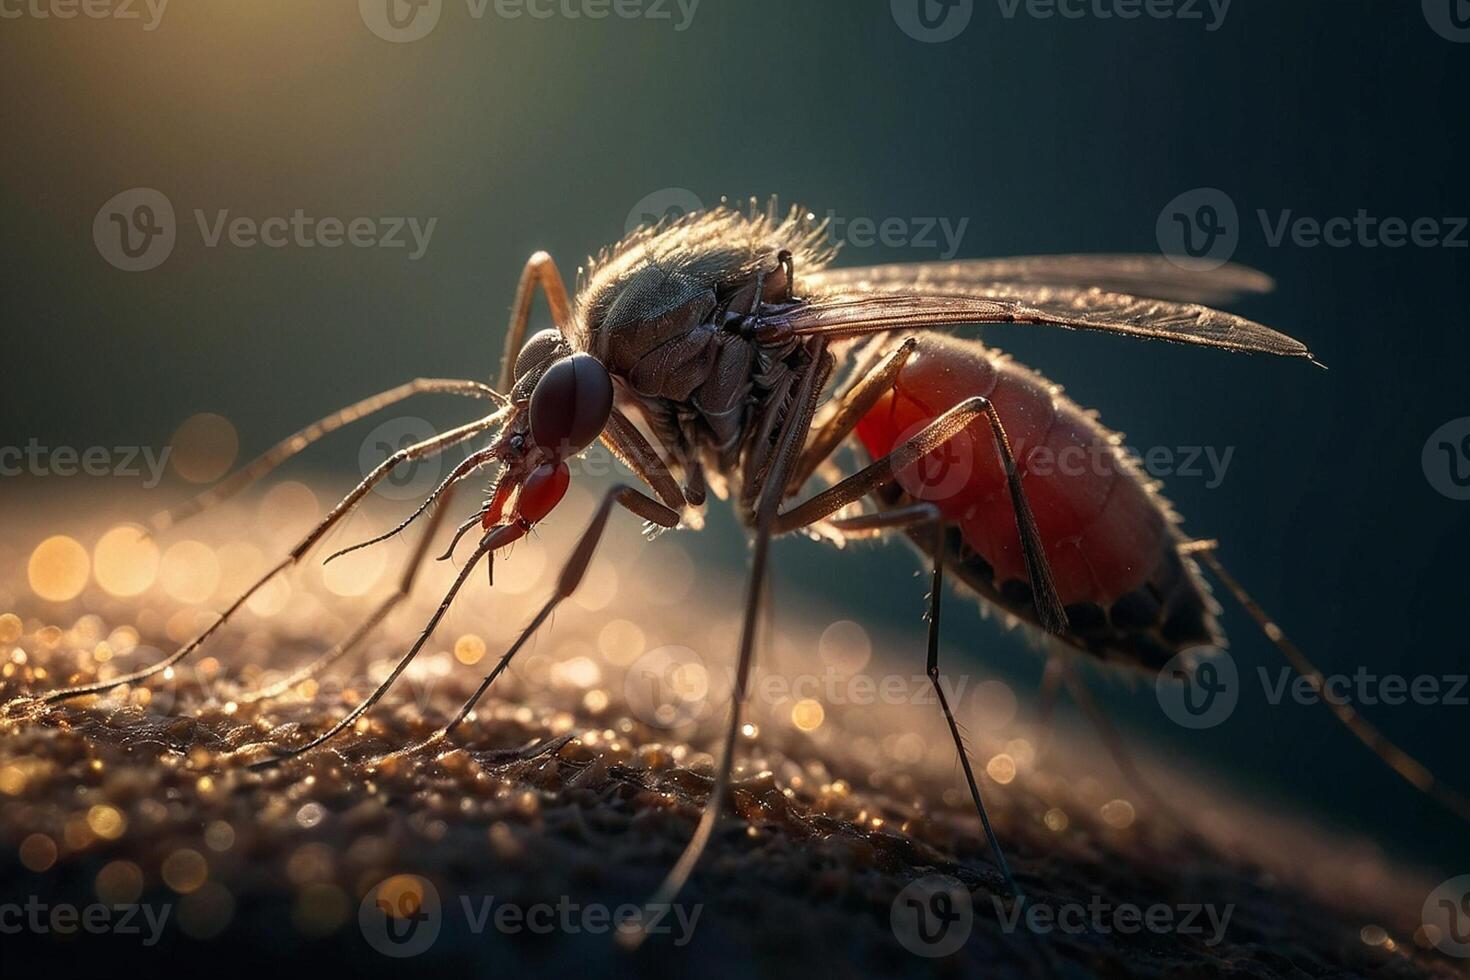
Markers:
(1411, 769)
(471, 463)
(300, 440)
(423, 450)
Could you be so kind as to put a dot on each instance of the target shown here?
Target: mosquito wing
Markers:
(850, 303)
(1171, 278)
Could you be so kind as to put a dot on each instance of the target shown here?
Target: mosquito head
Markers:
(566, 396)
(565, 400)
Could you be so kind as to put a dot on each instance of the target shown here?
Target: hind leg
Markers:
(1412, 770)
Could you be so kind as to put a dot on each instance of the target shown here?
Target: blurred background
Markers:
(1019, 134)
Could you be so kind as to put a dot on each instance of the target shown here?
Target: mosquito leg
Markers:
(571, 576)
(767, 506)
(936, 588)
(851, 408)
(428, 447)
(636, 453)
(1413, 771)
(464, 573)
(932, 436)
(911, 516)
(294, 444)
(405, 585)
(540, 271)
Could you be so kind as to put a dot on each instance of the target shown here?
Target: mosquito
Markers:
(704, 352)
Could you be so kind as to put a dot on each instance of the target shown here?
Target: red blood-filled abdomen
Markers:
(1107, 535)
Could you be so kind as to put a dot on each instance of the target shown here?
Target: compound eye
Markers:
(571, 405)
(540, 348)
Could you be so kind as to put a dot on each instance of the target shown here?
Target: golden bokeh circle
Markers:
(203, 448)
(59, 568)
(189, 571)
(125, 561)
(185, 870)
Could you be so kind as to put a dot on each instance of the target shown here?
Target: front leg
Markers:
(540, 271)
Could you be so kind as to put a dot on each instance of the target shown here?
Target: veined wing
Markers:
(1169, 278)
(856, 310)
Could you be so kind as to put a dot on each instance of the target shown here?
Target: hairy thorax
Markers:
(674, 315)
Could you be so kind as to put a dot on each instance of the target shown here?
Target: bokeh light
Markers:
(59, 568)
(808, 714)
(125, 561)
(845, 646)
(203, 448)
(190, 571)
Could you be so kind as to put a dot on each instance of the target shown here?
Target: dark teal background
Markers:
(1048, 135)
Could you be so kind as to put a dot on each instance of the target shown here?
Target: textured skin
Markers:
(1110, 539)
